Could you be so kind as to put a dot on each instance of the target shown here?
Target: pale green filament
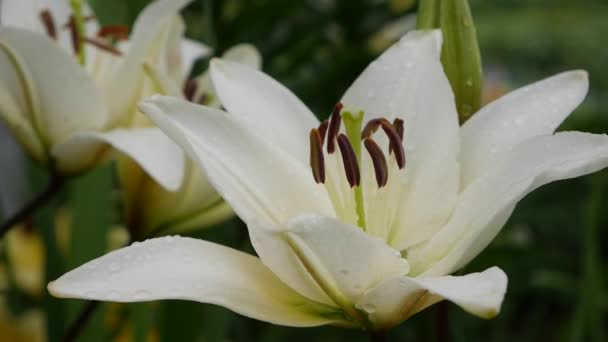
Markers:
(79, 27)
(353, 123)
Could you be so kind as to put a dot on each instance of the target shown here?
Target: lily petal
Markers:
(537, 109)
(146, 44)
(158, 155)
(195, 204)
(17, 121)
(191, 269)
(191, 51)
(262, 103)
(324, 258)
(397, 299)
(56, 111)
(529, 165)
(237, 161)
(21, 14)
(408, 82)
(245, 54)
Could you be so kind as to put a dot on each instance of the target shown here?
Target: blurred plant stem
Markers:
(53, 186)
(378, 336)
(587, 321)
(81, 321)
(209, 8)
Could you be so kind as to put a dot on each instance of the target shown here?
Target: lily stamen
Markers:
(334, 128)
(394, 134)
(395, 143)
(317, 162)
(49, 23)
(120, 32)
(323, 130)
(103, 46)
(76, 39)
(349, 158)
(398, 124)
(378, 160)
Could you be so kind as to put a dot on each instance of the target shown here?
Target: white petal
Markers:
(196, 204)
(191, 51)
(265, 105)
(323, 258)
(395, 300)
(147, 41)
(16, 120)
(537, 109)
(245, 54)
(242, 53)
(158, 155)
(57, 111)
(527, 166)
(190, 269)
(258, 179)
(408, 82)
(21, 14)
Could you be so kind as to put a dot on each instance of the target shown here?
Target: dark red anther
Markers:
(49, 23)
(317, 163)
(76, 39)
(322, 130)
(398, 124)
(349, 158)
(370, 128)
(103, 46)
(120, 32)
(334, 128)
(395, 143)
(190, 88)
(378, 160)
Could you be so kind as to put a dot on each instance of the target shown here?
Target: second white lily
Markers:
(398, 200)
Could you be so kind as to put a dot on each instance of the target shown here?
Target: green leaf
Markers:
(90, 199)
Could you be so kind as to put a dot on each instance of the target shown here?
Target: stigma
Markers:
(328, 135)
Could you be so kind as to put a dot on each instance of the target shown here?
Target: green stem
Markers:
(79, 26)
(55, 184)
(353, 123)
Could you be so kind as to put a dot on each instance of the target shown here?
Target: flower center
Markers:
(349, 144)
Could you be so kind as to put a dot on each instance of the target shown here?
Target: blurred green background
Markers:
(553, 248)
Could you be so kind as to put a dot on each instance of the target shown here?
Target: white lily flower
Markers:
(67, 115)
(344, 250)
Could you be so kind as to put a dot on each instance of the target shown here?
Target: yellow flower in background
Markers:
(24, 267)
